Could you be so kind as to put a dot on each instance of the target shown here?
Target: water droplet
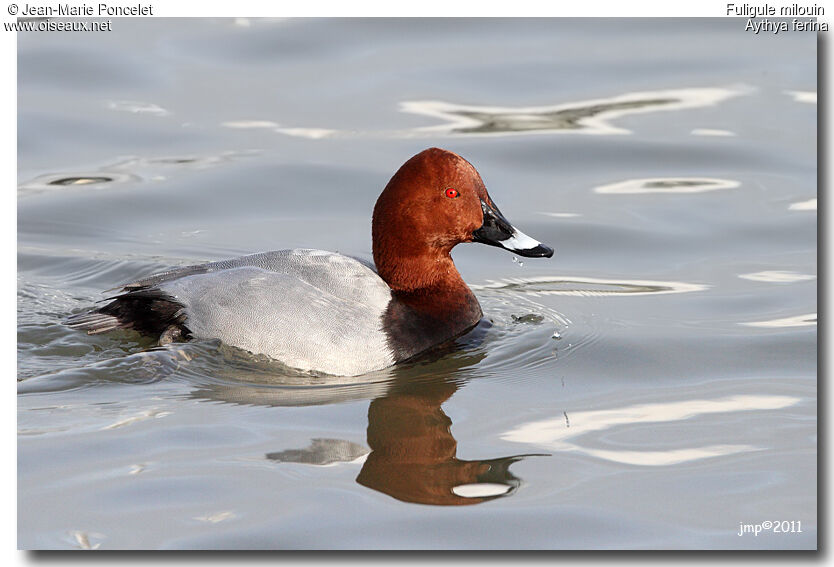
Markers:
(557, 335)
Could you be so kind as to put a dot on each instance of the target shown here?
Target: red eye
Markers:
(452, 193)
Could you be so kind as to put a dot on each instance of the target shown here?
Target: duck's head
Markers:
(435, 201)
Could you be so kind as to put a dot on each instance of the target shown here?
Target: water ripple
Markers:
(712, 132)
(777, 276)
(249, 124)
(587, 117)
(575, 435)
(582, 286)
(809, 205)
(130, 170)
(593, 116)
(137, 107)
(94, 179)
(795, 321)
(808, 97)
(667, 185)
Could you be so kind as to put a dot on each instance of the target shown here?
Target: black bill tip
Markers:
(540, 251)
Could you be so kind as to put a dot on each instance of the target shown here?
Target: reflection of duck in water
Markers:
(413, 453)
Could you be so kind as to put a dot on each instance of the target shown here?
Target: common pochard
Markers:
(328, 313)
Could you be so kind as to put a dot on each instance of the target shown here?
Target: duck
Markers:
(326, 313)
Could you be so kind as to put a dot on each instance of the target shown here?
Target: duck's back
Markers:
(309, 309)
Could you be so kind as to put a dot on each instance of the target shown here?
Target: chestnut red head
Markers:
(435, 201)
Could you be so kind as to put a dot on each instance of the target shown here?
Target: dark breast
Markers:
(416, 322)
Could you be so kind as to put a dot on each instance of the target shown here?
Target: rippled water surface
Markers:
(653, 385)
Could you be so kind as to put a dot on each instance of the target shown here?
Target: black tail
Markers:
(149, 311)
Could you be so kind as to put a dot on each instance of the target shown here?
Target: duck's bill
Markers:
(497, 231)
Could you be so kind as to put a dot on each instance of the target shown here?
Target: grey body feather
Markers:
(309, 309)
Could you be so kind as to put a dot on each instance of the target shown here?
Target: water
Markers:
(651, 386)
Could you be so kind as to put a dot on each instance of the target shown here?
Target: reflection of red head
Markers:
(413, 452)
